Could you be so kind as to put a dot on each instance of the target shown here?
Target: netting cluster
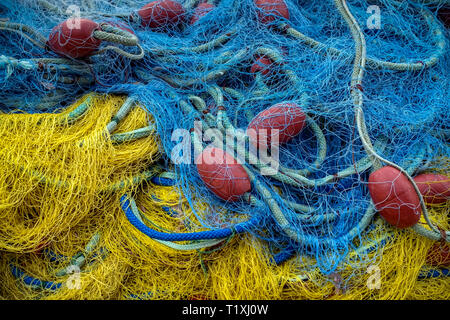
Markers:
(322, 128)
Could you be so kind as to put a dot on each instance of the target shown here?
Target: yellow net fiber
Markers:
(53, 173)
(59, 203)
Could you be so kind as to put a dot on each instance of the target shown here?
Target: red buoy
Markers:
(439, 255)
(74, 38)
(222, 174)
(262, 65)
(394, 197)
(201, 10)
(286, 117)
(435, 188)
(162, 13)
(269, 10)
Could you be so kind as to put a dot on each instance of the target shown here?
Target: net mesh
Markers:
(82, 137)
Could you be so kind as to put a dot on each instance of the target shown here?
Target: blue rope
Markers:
(203, 235)
(55, 257)
(28, 280)
(169, 211)
(142, 296)
(436, 273)
(165, 182)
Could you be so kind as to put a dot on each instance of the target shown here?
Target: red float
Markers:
(201, 10)
(439, 255)
(222, 174)
(162, 13)
(394, 197)
(74, 38)
(261, 65)
(435, 188)
(269, 10)
(286, 117)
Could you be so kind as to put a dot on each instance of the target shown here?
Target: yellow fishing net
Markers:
(64, 235)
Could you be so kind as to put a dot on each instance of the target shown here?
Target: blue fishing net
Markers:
(189, 69)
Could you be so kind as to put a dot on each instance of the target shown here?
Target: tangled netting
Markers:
(98, 148)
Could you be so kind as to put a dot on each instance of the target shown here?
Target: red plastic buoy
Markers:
(394, 197)
(262, 65)
(162, 13)
(269, 10)
(201, 10)
(74, 38)
(435, 188)
(439, 255)
(286, 117)
(222, 174)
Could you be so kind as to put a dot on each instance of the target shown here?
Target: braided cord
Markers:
(32, 35)
(374, 63)
(356, 82)
(131, 212)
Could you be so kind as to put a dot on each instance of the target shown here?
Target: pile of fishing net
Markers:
(233, 149)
